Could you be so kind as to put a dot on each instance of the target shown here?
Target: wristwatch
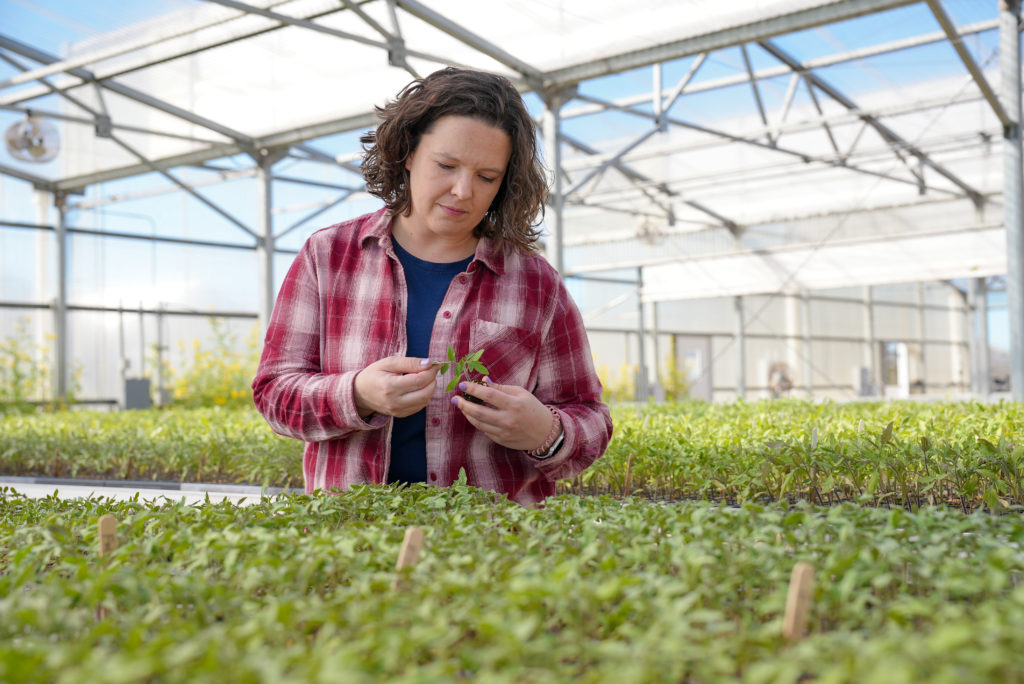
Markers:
(554, 447)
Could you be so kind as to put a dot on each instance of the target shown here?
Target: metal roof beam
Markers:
(221, 150)
(632, 175)
(837, 10)
(184, 186)
(837, 163)
(787, 102)
(817, 63)
(120, 48)
(787, 173)
(776, 249)
(614, 159)
(611, 237)
(222, 176)
(619, 210)
(638, 179)
(821, 113)
(887, 133)
(533, 75)
(319, 184)
(92, 122)
(131, 93)
(38, 181)
(149, 164)
(835, 119)
(683, 83)
(323, 157)
(968, 59)
(286, 20)
(192, 48)
(753, 87)
(370, 21)
(982, 136)
(309, 217)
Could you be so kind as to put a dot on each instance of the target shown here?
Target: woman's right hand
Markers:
(396, 386)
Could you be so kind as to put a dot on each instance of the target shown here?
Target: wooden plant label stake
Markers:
(108, 534)
(628, 487)
(409, 553)
(798, 602)
(108, 542)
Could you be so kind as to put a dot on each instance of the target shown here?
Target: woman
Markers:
(450, 260)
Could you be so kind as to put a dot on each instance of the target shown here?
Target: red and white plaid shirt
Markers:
(342, 307)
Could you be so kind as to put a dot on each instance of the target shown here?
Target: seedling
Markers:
(462, 367)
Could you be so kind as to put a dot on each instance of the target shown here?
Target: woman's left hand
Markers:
(510, 415)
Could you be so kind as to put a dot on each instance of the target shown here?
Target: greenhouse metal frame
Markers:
(643, 210)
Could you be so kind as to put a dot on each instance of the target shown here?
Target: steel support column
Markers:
(265, 241)
(656, 384)
(43, 200)
(1009, 63)
(793, 329)
(984, 357)
(741, 348)
(642, 385)
(808, 370)
(922, 337)
(875, 383)
(552, 124)
(973, 343)
(60, 308)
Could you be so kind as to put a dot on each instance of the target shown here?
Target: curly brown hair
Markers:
(518, 207)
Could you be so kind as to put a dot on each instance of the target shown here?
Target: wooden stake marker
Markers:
(798, 602)
(108, 542)
(108, 534)
(409, 553)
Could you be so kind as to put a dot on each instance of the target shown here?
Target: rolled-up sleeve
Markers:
(290, 389)
(568, 382)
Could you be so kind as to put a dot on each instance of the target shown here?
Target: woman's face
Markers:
(454, 174)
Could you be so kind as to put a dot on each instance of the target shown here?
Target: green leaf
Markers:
(887, 433)
(992, 500)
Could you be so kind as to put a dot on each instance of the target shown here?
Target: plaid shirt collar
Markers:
(378, 228)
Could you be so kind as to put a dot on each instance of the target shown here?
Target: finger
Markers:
(492, 431)
(405, 364)
(406, 385)
(415, 401)
(478, 414)
(507, 389)
(490, 395)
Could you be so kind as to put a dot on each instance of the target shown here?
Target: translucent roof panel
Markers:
(267, 73)
(754, 140)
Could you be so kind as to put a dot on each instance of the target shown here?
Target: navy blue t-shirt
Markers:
(427, 283)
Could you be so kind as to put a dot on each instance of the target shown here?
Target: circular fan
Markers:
(33, 140)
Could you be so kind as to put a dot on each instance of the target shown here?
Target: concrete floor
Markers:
(37, 488)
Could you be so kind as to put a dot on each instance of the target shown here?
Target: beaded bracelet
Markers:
(556, 430)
